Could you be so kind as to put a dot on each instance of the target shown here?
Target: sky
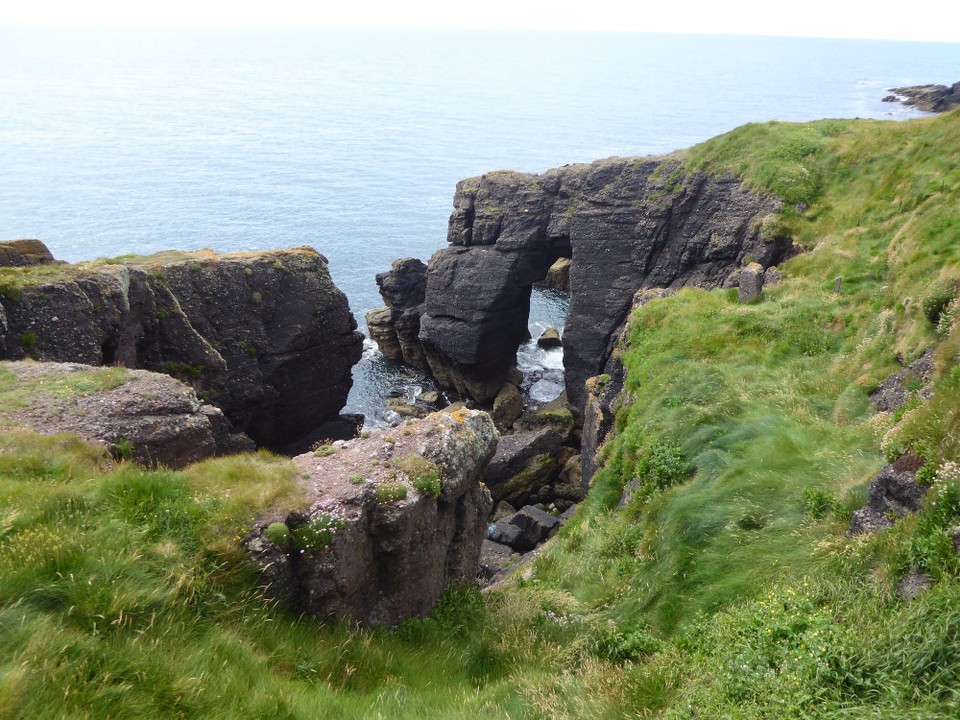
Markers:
(926, 20)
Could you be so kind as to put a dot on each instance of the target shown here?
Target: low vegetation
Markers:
(725, 588)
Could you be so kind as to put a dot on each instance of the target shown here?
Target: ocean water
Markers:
(115, 142)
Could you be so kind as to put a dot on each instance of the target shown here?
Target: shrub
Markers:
(424, 474)
(624, 644)
(122, 449)
(940, 294)
(662, 465)
(278, 533)
(357, 479)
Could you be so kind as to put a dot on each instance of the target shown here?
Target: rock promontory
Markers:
(388, 521)
(625, 223)
(932, 98)
(266, 337)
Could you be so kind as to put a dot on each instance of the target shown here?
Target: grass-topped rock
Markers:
(136, 414)
(387, 524)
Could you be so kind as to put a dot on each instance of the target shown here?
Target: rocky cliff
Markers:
(626, 223)
(266, 337)
(388, 522)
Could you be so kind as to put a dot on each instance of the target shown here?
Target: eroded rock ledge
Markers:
(626, 223)
(267, 337)
(388, 522)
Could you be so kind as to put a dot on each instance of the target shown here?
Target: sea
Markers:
(134, 141)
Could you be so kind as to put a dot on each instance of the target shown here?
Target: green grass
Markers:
(725, 588)
(15, 392)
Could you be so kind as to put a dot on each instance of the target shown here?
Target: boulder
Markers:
(139, 415)
(751, 283)
(524, 463)
(266, 337)
(381, 329)
(894, 492)
(494, 558)
(550, 338)
(525, 529)
(507, 406)
(627, 223)
(387, 524)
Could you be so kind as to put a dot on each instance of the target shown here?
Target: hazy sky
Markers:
(937, 20)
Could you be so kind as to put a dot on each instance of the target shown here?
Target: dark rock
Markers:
(525, 529)
(913, 585)
(524, 462)
(550, 338)
(751, 283)
(913, 381)
(24, 253)
(266, 337)
(507, 406)
(345, 427)
(394, 549)
(381, 329)
(396, 328)
(502, 510)
(144, 416)
(932, 98)
(894, 493)
(494, 558)
(627, 224)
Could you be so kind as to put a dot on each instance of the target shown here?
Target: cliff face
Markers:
(626, 223)
(266, 337)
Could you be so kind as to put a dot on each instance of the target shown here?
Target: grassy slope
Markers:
(731, 594)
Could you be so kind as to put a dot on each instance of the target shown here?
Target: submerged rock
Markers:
(388, 522)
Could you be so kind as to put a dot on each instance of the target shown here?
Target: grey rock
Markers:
(894, 493)
(932, 98)
(913, 381)
(914, 584)
(396, 328)
(558, 276)
(524, 463)
(507, 406)
(390, 557)
(494, 558)
(772, 276)
(503, 509)
(751, 283)
(525, 529)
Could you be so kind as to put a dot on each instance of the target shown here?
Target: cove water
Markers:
(116, 142)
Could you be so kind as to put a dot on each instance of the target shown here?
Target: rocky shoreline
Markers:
(930, 98)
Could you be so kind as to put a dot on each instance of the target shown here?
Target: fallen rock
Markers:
(550, 338)
(751, 283)
(525, 529)
(495, 558)
(893, 493)
(507, 406)
(388, 522)
(524, 462)
(139, 415)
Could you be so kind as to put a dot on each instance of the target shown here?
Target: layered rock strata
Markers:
(626, 223)
(144, 416)
(388, 521)
(932, 98)
(396, 327)
(267, 337)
